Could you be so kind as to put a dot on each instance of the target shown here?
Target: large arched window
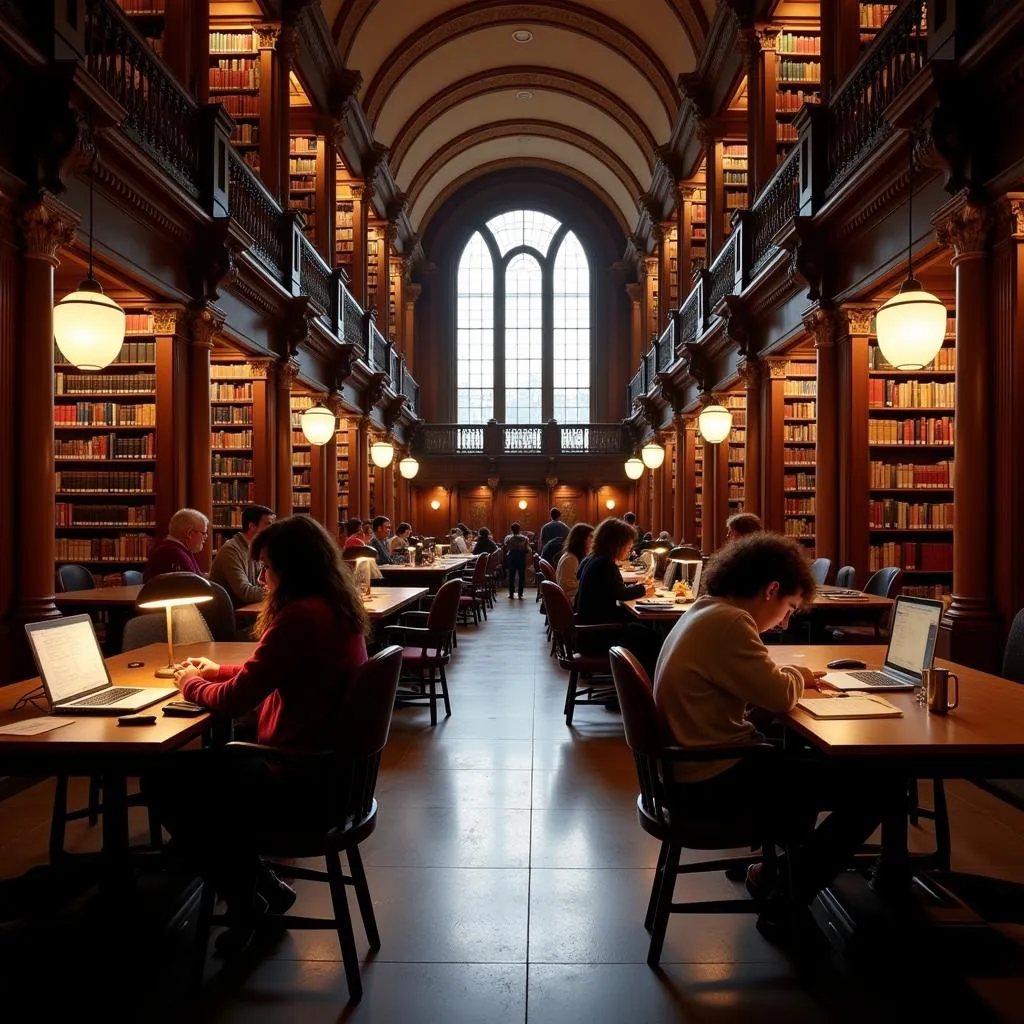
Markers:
(523, 323)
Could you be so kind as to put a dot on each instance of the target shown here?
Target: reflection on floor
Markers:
(510, 879)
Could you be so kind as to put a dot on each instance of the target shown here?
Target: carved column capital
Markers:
(859, 319)
(46, 226)
(260, 369)
(826, 324)
(776, 366)
(1010, 210)
(287, 374)
(169, 319)
(750, 371)
(266, 36)
(333, 401)
(288, 44)
(965, 230)
(204, 323)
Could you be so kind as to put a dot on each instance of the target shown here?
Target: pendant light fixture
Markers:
(88, 326)
(714, 423)
(318, 424)
(382, 452)
(911, 326)
(408, 467)
(652, 454)
(634, 468)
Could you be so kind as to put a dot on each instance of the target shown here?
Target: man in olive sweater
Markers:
(233, 568)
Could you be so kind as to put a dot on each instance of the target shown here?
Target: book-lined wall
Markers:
(302, 179)
(698, 489)
(797, 80)
(343, 219)
(105, 454)
(911, 439)
(799, 441)
(734, 181)
(736, 403)
(232, 447)
(302, 459)
(342, 470)
(235, 82)
(148, 16)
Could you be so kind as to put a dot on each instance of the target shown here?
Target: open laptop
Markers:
(75, 676)
(912, 635)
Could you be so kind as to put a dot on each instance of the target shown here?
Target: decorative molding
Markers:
(1010, 208)
(391, 411)
(205, 322)
(858, 320)
(333, 401)
(47, 226)
(374, 392)
(750, 371)
(287, 373)
(776, 367)
(260, 369)
(169, 319)
(119, 187)
(965, 228)
(696, 364)
(826, 323)
(736, 318)
(267, 36)
(297, 323)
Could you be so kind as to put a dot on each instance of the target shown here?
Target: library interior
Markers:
(715, 302)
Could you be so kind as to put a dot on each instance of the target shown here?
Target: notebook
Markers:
(849, 707)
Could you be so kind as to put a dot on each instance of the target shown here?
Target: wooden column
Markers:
(274, 137)
(386, 507)
(709, 491)
(11, 292)
(652, 298)
(678, 526)
(326, 190)
(758, 47)
(172, 329)
(840, 42)
(710, 132)
(412, 292)
(1006, 296)
(689, 481)
(825, 324)
(666, 499)
(665, 275)
(359, 471)
(388, 233)
(46, 226)
(400, 270)
(362, 199)
(969, 632)
(264, 452)
(773, 411)
(635, 291)
(204, 323)
(684, 243)
(287, 373)
(750, 372)
(330, 521)
(853, 455)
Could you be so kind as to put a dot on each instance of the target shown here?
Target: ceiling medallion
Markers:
(522, 35)
(524, 94)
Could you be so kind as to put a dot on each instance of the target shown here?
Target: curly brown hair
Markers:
(576, 541)
(611, 536)
(747, 565)
(307, 563)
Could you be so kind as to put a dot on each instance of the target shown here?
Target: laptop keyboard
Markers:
(107, 696)
(875, 678)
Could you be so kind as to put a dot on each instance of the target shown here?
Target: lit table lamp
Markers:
(659, 548)
(687, 555)
(169, 591)
(363, 560)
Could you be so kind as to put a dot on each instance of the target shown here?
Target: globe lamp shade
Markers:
(88, 327)
(911, 327)
(634, 468)
(714, 423)
(408, 467)
(318, 424)
(653, 455)
(382, 452)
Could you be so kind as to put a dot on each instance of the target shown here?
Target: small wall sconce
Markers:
(610, 504)
(522, 504)
(435, 504)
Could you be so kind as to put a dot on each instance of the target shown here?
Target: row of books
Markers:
(301, 478)
(911, 394)
(798, 528)
(798, 506)
(236, 73)
(305, 203)
(875, 15)
(241, 104)
(105, 515)
(231, 42)
(737, 150)
(132, 351)
(944, 362)
(104, 383)
(231, 392)
(798, 70)
(801, 410)
(791, 102)
(234, 490)
(299, 439)
(798, 481)
(803, 456)
(227, 518)
(785, 132)
(904, 515)
(241, 439)
(252, 160)
(120, 482)
(302, 144)
(734, 177)
(303, 457)
(910, 474)
(736, 492)
(231, 465)
(806, 433)
(141, 6)
(126, 547)
(106, 446)
(231, 414)
(916, 430)
(788, 42)
(246, 134)
(302, 164)
(302, 499)
(104, 414)
(736, 474)
(807, 388)
(230, 371)
(927, 557)
(936, 591)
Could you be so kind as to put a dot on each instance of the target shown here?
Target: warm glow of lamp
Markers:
(634, 468)
(435, 504)
(610, 504)
(168, 591)
(318, 424)
(382, 452)
(714, 423)
(911, 327)
(522, 504)
(652, 454)
(408, 467)
(362, 558)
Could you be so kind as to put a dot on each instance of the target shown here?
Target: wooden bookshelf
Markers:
(911, 444)
(797, 80)
(344, 223)
(799, 443)
(735, 180)
(304, 159)
(873, 17)
(672, 243)
(374, 249)
(736, 454)
(698, 489)
(235, 79)
(302, 459)
(343, 471)
(692, 236)
(232, 447)
(105, 457)
(150, 18)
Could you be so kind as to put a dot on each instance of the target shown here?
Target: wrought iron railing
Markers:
(257, 213)
(352, 328)
(775, 207)
(592, 439)
(411, 390)
(161, 117)
(722, 274)
(650, 365)
(856, 114)
(522, 440)
(689, 319)
(636, 387)
(379, 353)
(665, 347)
(450, 439)
(315, 278)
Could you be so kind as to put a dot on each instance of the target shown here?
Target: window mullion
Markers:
(547, 372)
(499, 340)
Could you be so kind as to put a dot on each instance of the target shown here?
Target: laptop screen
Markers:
(68, 657)
(915, 627)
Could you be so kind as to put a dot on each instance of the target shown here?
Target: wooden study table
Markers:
(429, 576)
(117, 602)
(382, 603)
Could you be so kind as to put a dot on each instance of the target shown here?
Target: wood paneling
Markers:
(10, 310)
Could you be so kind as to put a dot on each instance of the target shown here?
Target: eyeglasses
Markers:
(202, 533)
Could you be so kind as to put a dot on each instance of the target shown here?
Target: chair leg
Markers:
(570, 697)
(943, 843)
(444, 693)
(94, 800)
(915, 803)
(362, 888)
(206, 903)
(58, 820)
(432, 683)
(663, 905)
(343, 923)
(653, 902)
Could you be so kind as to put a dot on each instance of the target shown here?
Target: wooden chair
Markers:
(475, 594)
(820, 568)
(351, 773)
(427, 650)
(75, 577)
(887, 582)
(589, 675)
(662, 811)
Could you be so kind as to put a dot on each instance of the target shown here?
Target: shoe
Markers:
(236, 939)
(760, 881)
(279, 896)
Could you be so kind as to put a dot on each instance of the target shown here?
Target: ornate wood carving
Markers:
(169, 320)
(391, 411)
(697, 365)
(296, 326)
(776, 366)
(826, 323)
(737, 319)
(287, 374)
(858, 319)
(260, 369)
(205, 322)
(750, 371)
(266, 36)
(375, 388)
(46, 226)
(965, 230)
(217, 259)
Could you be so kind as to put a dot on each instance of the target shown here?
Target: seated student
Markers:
(577, 547)
(713, 666)
(233, 567)
(484, 542)
(399, 544)
(459, 545)
(379, 529)
(312, 640)
(186, 534)
(742, 524)
(552, 550)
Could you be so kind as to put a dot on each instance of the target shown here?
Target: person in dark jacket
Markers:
(484, 543)
(516, 547)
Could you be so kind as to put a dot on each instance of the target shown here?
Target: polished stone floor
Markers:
(510, 879)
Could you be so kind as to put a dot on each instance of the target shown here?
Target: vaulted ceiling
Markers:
(457, 89)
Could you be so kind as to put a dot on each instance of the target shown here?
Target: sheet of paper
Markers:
(34, 726)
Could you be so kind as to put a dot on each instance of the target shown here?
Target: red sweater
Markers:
(298, 676)
(170, 555)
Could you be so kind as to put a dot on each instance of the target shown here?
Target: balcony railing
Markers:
(593, 439)
(775, 207)
(379, 350)
(257, 213)
(665, 347)
(410, 389)
(316, 278)
(549, 439)
(722, 274)
(522, 440)
(352, 329)
(450, 439)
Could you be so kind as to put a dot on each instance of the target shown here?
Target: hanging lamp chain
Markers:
(910, 210)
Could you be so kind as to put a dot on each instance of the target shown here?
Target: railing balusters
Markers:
(257, 213)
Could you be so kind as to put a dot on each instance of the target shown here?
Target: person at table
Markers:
(552, 550)
(353, 533)
(601, 588)
(459, 545)
(312, 633)
(186, 534)
(484, 543)
(630, 518)
(516, 546)
(380, 527)
(233, 567)
(399, 544)
(578, 543)
(553, 528)
(713, 669)
(742, 524)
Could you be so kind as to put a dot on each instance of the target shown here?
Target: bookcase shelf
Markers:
(231, 446)
(799, 449)
(305, 153)
(235, 81)
(736, 403)
(301, 455)
(342, 471)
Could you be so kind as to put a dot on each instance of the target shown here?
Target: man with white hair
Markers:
(186, 535)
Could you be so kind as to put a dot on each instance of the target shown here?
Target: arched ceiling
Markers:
(449, 89)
